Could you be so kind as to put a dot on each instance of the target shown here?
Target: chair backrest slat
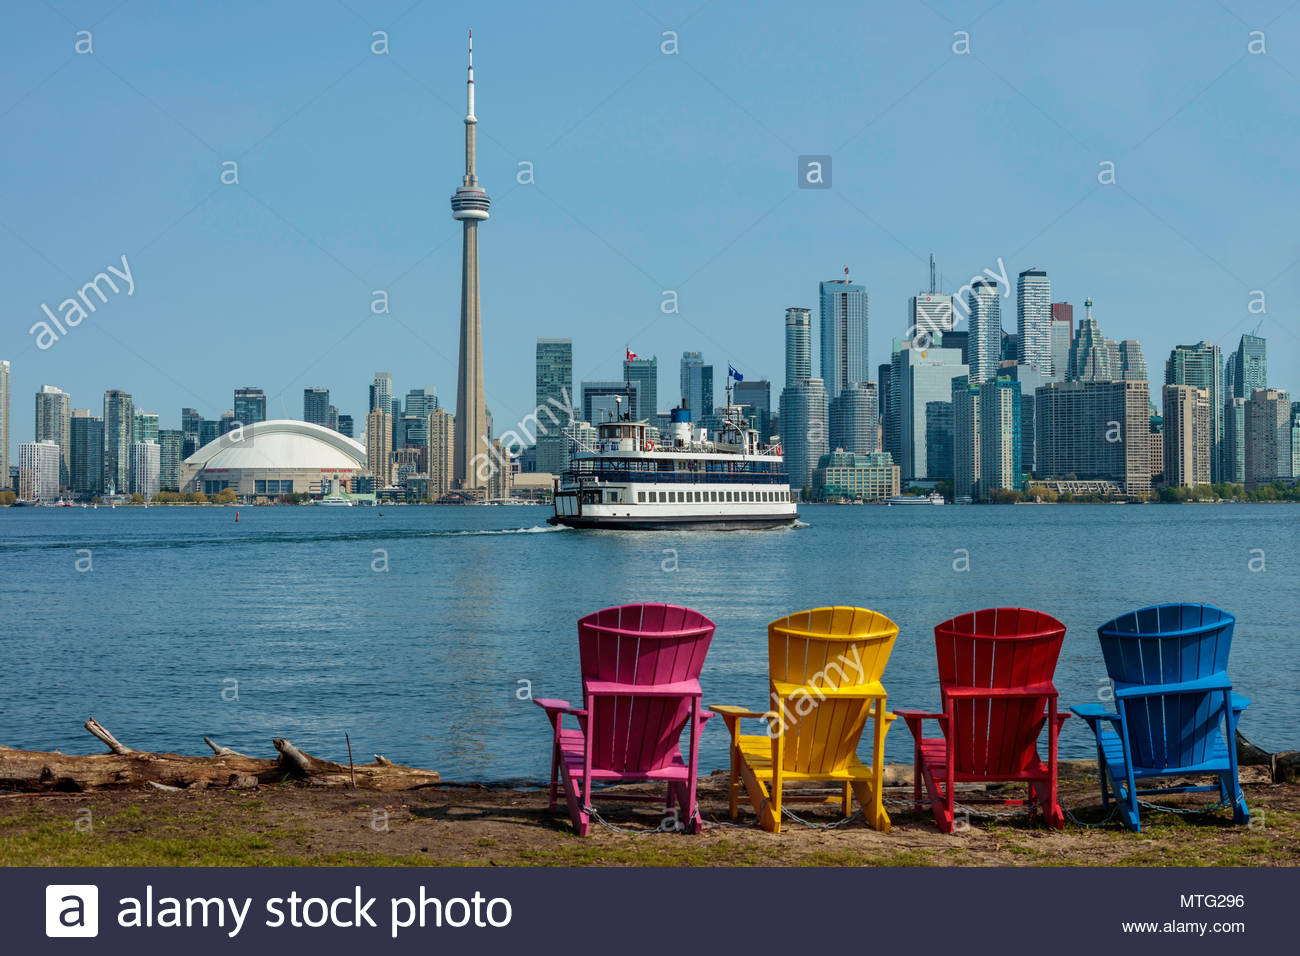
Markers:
(1169, 644)
(997, 648)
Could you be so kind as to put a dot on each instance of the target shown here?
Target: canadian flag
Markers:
(631, 356)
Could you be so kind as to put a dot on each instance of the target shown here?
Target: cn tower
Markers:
(470, 205)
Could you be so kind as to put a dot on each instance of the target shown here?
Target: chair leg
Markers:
(555, 774)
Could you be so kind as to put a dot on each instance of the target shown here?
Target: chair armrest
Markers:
(727, 710)
(1239, 703)
(604, 688)
(558, 706)
(1094, 712)
(1213, 682)
(915, 719)
(1045, 689)
(871, 691)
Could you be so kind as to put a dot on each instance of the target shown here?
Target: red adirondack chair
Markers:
(640, 687)
(995, 681)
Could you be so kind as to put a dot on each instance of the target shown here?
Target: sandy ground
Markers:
(297, 825)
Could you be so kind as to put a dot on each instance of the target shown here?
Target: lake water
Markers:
(291, 611)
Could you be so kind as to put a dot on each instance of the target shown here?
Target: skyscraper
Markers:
(87, 452)
(144, 468)
(345, 426)
(853, 419)
(250, 405)
(924, 377)
(316, 405)
(984, 310)
(757, 395)
(381, 393)
(555, 402)
(1000, 444)
(1268, 437)
(4, 425)
(645, 372)
(1247, 367)
(145, 427)
(1034, 319)
(119, 429)
(53, 423)
(844, 354)
(798, 345)
(603, 401)
(1132, 365)
(804, 431)
(38, 470)
(1234, 439)
(697, 386)
(965, 437)
(379, 447)
(469, 205)
(1187, 435)
(442, 438)
(170, 444)
(191, 423)
(929, 316)
(1094, 430)
(1062, 335)
(1093, 357)
(1201, 365)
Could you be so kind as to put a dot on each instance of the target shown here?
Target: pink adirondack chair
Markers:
(640, 688)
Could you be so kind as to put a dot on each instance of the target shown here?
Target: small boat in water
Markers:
(334, 501)
(933, 498)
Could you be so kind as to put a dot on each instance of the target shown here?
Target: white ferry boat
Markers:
(684, 480)
(933, 498)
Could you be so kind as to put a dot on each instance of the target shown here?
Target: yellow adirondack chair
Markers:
(825, 667)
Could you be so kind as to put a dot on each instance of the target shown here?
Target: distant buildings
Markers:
(1094, 430)
(440, 456)
(38, 471)
(1246, 368)
(924, 384)
(844, 353)
(554, 380)
(798, 345)
(316, 406)
(53, 423)
(804, 430)
(1034, 319)
(119, 428)
(4, 425)
(843, 474)
(1268, 437)
(1234, 440)
(984, 315)
(853, 419)
(144, 465)
(250, 405)
(171, 443)
(986, 437)
(1062, 335)
(87, 462)
(381, 393)
(604, 401)
(696, 386)
(379, 446)
(645, 372)
(929, 318)
(345, 426)
(756, 394)
(1201, 365)
(1188, 431)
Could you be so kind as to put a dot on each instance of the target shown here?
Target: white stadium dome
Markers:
(274, 457)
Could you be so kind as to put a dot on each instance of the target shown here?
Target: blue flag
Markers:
(731, 370)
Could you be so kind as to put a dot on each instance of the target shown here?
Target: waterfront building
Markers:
(929, 318)
(843, 474)
(87, 452)
(315, 405)
(469, 206)
(999, 442)
(1234, 439)
(440, 456)
(379, 446)
(604, 401)
(171, 446)
(696, 386)
(1187, 435)
(844, 353)
(1062, 335)
(1034, 320)
(852, 419)
(250, 405)
(145, 469)
(277, 457)
(939, 439)
(1268, 437)
(1031, 379)
(1156, 447)
(804, 430)
(145, 427)
(923, 377)
(501, 479)
(38, 470)
(798, 345)
(119, 427)
(645, 372)
(554, 375)
(965, 437)
(756, 395)
(984, 312)
(1247, 368)
(4, 425)
(1094, 430)
(53, 423)
(1201, 365)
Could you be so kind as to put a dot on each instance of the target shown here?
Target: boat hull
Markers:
(734, 522)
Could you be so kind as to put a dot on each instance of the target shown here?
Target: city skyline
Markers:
(719, 307)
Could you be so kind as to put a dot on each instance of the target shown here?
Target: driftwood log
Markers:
(123, 767)
(1284, 766)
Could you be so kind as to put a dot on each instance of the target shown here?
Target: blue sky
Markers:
(653, 171)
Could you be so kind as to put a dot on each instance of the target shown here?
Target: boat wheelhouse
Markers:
(633, 479)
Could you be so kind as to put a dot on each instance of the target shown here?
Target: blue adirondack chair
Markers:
(1175, 712)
